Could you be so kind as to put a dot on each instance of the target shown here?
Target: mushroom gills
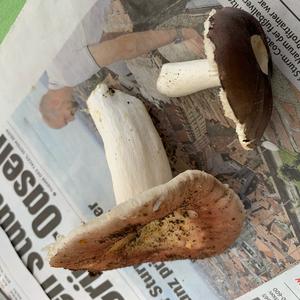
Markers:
(240, 128)
(196, 209)
(174, 230)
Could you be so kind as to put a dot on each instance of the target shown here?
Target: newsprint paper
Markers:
(53, 171)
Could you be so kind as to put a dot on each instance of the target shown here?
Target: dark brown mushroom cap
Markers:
(247, 87)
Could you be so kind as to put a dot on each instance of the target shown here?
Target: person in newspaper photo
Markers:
(88, 50)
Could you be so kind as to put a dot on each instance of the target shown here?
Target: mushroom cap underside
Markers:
(191, 216)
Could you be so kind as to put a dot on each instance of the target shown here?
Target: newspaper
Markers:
(52, 180)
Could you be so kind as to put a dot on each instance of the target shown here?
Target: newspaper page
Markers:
(52, 180)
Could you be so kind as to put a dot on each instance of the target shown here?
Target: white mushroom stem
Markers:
(135, 154)
(185, 78)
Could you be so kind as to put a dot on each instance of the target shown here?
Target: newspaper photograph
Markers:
(55, 172)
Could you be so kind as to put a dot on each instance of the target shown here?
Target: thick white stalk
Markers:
(135, 154)
(185, 78)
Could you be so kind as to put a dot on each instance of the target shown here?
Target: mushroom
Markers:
(192, 216)
(238, 60)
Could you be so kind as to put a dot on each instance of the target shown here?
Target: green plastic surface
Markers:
(9, 10)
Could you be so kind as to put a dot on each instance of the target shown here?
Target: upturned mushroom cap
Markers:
(236, 42)
(192, 216)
